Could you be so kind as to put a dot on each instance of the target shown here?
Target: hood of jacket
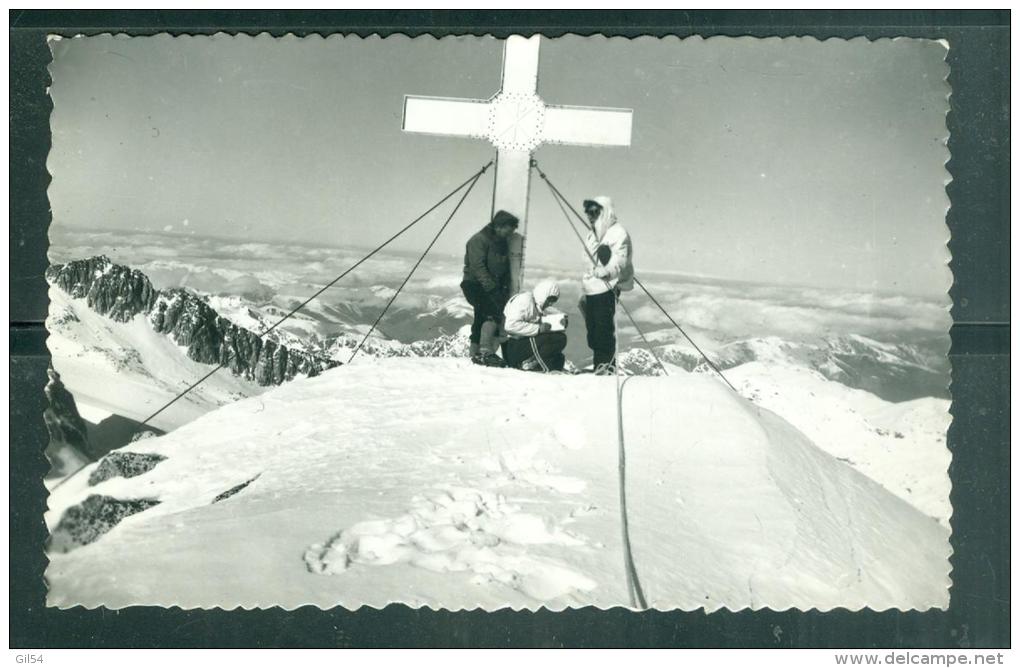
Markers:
(606, 219)
(544, 290)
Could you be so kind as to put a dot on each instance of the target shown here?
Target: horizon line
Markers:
(695, 276)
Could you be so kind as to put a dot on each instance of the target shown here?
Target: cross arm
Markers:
(446, 116)
(587, 126)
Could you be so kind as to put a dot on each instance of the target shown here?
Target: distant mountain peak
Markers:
(113, 290)
(122, 293)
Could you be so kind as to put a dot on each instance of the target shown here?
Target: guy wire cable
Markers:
(145, 423)
(417, 264)
(707, 359)
(556, 198)
(300, 306)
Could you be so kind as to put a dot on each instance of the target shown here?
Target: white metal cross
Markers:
(516, 121)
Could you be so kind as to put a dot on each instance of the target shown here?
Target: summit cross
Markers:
(516, 121)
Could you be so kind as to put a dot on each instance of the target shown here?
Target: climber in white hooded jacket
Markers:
(609, 269)
(527, 320)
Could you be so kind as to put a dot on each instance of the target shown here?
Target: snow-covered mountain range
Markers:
(483, 485)
(895, 365)
(121, 293)
(125, 348)
(897, 371)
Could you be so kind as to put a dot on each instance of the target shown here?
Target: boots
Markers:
(487, 345)
(487, 338)
(531, 364)
(604, 363)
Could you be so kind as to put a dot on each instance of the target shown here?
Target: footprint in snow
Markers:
(522, 467)
(460, 530)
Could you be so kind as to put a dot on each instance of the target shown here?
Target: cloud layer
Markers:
(285, 275)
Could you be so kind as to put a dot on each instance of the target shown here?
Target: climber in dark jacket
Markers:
(486, 284)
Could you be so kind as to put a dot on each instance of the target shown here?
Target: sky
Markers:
(775, 161)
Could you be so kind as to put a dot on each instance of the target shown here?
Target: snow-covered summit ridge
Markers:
(436, 483)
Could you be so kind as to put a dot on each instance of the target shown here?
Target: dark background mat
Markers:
(979, 437)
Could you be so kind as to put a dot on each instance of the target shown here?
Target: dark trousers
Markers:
(487, 306)
(599, 314)
(547, 346)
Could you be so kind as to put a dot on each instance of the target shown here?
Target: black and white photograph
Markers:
(479, 323)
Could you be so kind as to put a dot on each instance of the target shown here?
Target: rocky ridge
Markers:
(69, 448)
(121, 293)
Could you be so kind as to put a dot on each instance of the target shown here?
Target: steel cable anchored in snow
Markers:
(619, 301)
(418, 263)
(469, 183)
(560, 198)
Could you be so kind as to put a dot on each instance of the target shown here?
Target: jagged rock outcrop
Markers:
(68, 448)
(142, 435)
(124, 465)
(88, 521)
(640, 362)
(223, 496)
(212, 339)
(447, 345)
(122, 293)
(118, 292)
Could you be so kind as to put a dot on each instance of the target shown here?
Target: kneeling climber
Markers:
(530, 322)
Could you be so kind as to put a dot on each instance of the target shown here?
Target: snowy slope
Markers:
(436, 483)
(900, 445)
(129, 369)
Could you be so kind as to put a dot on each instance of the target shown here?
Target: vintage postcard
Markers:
(482, 323)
